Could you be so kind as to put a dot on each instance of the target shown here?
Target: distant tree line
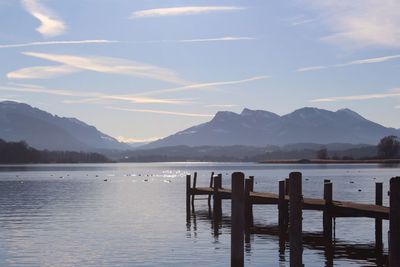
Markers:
(21, 152)
(387, 148)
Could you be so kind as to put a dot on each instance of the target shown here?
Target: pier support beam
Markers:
(378, 222)
(327, 215)
(282, 217)
(295, 219)
(238, 224)
(188, 192)
(217, 209)
(194, 186)
(211, 185)
(394, 224)
(248, 187)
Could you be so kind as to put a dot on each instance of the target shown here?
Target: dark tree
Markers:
(322, 153)
(388, 147)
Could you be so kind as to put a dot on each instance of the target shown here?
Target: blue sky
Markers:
(145, 69)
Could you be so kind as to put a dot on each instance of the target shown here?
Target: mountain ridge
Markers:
(263, 128)
(42, 130)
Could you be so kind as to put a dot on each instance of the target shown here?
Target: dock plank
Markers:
(339, 208)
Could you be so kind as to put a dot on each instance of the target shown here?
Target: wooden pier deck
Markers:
(291, 203)
(339, 208)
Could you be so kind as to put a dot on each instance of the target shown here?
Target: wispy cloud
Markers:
(359, 23)
(88, 97)
(203, 40)
(163, 112)
(184, 10)
(391, 93)
(136, 140)
(300, 20)
(312, 68)
(109, 65)
(205, 85)
(43, 72)
(57, 43)
(350, 63)
(221, 106)
(51, 25)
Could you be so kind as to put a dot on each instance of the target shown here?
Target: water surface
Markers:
(134, 215)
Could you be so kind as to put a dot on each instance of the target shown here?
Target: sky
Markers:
(140, 70)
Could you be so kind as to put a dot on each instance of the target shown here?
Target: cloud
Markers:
(57, 43)
(206, 85)
(221, 106)
(110, 65)
(44, 72)
(73, 42)
(392, 93)
(299, 20)
(359, 23)
(136, 140)
(163, 112)
(312, 68)
(184, 10)
(218, 39)
(350, 63)
(51, 25)
(88, 97)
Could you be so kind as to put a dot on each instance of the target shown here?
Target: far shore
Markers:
(332, 161)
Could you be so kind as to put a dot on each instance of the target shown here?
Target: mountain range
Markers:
(42, 130)
(305, 128)
(262, 128)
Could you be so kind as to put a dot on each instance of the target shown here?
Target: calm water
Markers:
(67, 215)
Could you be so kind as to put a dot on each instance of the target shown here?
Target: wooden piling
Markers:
(251, 183)
(217, 210)
(282, 211)
(394, 224)
(238, 224)
(188, 191)
(248, 186)
(378, 222)
(287, 186)
(194, 186)
(327, 215)
(295, 219)
(211, 185)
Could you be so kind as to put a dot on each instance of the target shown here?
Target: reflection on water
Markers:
(331, 250)
(134, 215)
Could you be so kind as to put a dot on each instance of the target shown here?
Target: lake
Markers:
(68, 215)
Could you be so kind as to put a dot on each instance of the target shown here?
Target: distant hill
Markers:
(42, 130)
(246, 153)
(261, 128)
(21, 153)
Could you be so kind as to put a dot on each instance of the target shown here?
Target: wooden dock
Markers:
(244, 196)
(339, 208)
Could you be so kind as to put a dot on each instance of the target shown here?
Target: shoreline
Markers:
(332, 161)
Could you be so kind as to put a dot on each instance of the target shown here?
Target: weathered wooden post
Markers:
(394, 224)
(248, 205)
(211, 185)
(188, 197)
(252, 183)
(281, 206)
(238, 224)
(217, 209)
(194, 187)
(287, 186)
(282, 217)
(295, 219)
(378, 222)
(327, 215)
